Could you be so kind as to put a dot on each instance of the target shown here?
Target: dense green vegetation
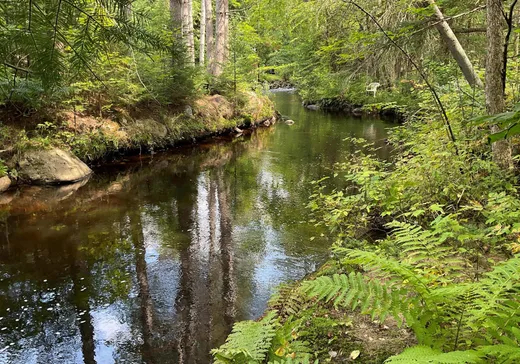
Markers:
(427, 242)
(98, 77)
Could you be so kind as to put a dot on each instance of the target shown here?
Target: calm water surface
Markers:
(155, 258)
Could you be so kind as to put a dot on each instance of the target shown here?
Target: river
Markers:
(157, 256)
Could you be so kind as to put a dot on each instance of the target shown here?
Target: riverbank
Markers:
(31, 142)
(367, 107)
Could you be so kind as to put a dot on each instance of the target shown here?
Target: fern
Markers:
(427, 355)
(373, 297)
(249, 342)
(306, 359)
(496, 305)
(287, 300)
(504, 353)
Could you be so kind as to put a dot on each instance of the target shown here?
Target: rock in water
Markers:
(289, 122)
(313, 107)
(5, 183)
(52, 166)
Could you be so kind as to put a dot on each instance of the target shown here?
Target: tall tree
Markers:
(495, 87)
(210, 34)
(176, 13)
(453, 44)
(221, 43)
(187, 28)
(202, 47)
(191, 35)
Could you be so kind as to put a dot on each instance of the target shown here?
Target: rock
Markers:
(238, 130)
(357, 111)
(188, 111)
(5, 183)
(313, 107)
(267, 123)
(52, 166)
(273, 120)
(289, 122)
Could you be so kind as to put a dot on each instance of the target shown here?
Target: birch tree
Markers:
(187, 29)
(202, 38)
(453, 44)
(210, 34)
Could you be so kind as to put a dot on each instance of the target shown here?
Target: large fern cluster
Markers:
(424, 287)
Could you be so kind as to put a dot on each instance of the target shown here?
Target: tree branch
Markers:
(440, 105)
(509, 21)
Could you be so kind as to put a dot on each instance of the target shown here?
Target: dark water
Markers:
(154, 259)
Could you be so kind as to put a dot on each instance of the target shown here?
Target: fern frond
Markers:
(287, 300)
(249, 342)
(382, 264)
(307, 359)
(506, 353)
(427, 355)
(375, 298)
(497, 306)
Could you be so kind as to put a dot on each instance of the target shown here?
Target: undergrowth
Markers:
(427, 242)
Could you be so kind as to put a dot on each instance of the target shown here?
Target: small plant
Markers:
(3, 168)
(265, 340)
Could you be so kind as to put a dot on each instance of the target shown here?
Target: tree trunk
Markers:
(221, 44)
(202, 45)
(176, 14)
(190, 35)
(453, 44)
(495, 88)
(210, 35)
(187, 29)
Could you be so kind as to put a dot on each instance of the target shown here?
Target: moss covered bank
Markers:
(139, 129)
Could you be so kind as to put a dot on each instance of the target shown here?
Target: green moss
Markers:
(159, 129)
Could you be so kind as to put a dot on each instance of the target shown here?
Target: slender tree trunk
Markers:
(187, 29)
(202, 46)
(190, 35)
(221, 44)
(495, 88)
(210, 34)
(453, 44)
(176, 14)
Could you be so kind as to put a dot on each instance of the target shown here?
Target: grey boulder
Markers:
(51, 166)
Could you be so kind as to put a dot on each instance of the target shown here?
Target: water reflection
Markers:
(154, 259)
